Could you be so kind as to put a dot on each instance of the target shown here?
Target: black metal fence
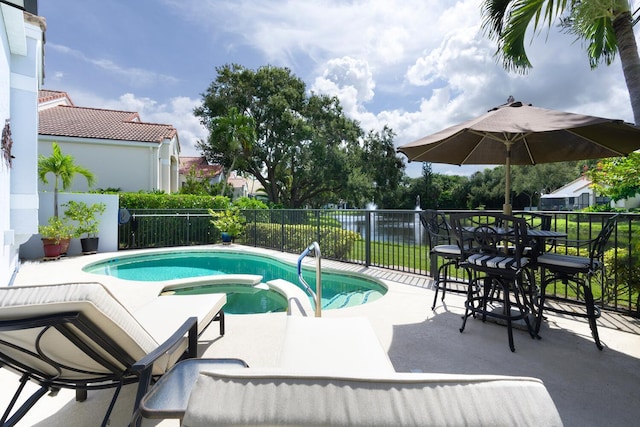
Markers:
(392, 239)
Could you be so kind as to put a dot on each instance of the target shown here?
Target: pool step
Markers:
(342, 300)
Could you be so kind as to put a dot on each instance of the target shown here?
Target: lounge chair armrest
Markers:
(190, 326)
(144, 367)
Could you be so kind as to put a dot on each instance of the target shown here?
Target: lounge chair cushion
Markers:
(258, 397)
(155, 318)
(137, 333)
(346, 343)
(92, 300)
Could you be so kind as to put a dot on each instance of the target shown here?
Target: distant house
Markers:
(120, 149)
(201, 168)
(214, 174)
(21, 73)
(575, 195)
(239, 184)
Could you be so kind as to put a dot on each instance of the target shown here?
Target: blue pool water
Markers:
(338, 290)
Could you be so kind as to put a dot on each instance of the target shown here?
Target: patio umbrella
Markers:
(520, 134)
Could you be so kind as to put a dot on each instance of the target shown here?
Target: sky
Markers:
(416, 66)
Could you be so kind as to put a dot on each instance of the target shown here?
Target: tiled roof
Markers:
(46, 95)
(201, 165)
(96, 123)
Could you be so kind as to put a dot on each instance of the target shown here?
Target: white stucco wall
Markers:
(6, 257)
(21, 49)
(108, 223)
(127, 165)
(130, 167)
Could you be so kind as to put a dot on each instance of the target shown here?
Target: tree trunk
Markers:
(630, 60)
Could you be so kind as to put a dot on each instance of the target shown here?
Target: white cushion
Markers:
(348, 344)
(254, 397)
(93, 301)
(452, 250)
(570, 261)
(165, 314)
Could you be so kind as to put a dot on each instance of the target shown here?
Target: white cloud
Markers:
(137, 77)
(416, 66)
(350, 80)
(384, 32)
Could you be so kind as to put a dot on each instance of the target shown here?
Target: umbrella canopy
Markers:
(520, 134)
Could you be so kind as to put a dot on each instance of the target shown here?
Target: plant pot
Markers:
(89, 245)
(64, 245)
(226, 238)
(52, 248)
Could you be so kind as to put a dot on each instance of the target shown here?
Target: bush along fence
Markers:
(391, 239)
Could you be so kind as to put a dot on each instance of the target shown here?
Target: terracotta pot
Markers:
(64, 245)
(52, 248)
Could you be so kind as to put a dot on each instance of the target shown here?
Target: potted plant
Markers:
(87, 222)
(230, 222)
(64, 169)
(52, 235)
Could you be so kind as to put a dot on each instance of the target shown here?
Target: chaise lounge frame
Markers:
(26, 348)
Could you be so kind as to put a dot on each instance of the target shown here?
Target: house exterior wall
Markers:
(115, 164)
(21, 71)
(127, 165)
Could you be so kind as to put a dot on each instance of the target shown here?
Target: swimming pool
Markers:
(339, 289)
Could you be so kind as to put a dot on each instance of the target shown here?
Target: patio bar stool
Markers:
(493, 246)
(442, 245)
(575, 272)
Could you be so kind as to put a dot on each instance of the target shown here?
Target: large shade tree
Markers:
(302, 143)
(230, 137)
(606, 26)
(617, 177)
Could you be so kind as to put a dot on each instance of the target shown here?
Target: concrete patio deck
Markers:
(589, 387)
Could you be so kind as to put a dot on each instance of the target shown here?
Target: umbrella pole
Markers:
(506, 208)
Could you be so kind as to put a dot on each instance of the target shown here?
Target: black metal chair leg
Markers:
(542, 297)
(507, 313)
(591, 315)
(466, 305)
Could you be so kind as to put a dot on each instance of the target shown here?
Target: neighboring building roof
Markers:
(52, 98)
(201, 165)
(237, 181)
(572, 189)
(94, 123)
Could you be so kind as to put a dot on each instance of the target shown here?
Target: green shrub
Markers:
(622, 276)
(335, 242)
(172, 201)
(248, 203)
(229, 221)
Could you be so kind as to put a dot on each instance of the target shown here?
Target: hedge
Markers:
(335, 242)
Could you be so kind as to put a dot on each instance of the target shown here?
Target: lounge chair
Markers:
(243, 397)
(335, 372)
(79, 336)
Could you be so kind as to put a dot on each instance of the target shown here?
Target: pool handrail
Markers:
(317, 295)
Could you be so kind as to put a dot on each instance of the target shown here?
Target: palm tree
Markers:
(231, 136)
(64, 169)
(605, 25)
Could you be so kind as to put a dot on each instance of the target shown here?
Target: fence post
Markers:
(367, 238)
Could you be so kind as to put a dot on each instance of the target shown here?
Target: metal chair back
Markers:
(438, 229)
